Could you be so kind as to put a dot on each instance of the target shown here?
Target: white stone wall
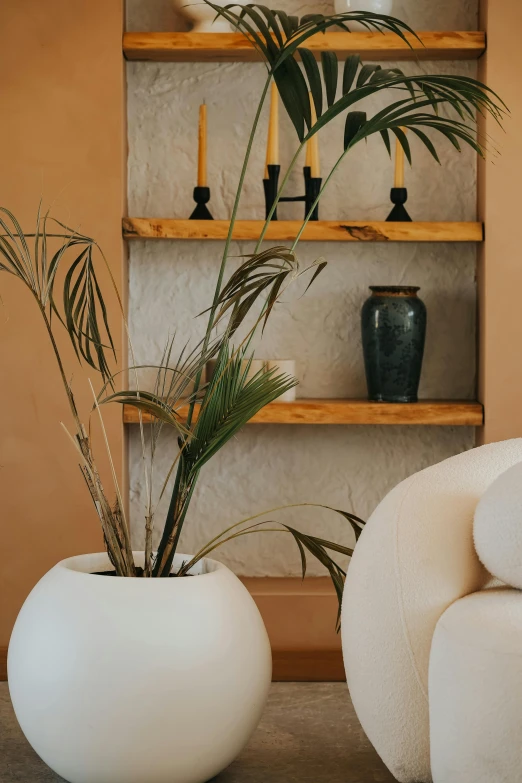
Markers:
(348, 467)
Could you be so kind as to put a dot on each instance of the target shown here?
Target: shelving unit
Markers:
(309, 411)
(318, 231)
(234, 47)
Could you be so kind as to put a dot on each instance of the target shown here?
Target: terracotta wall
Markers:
(62, 138)
(500, 265)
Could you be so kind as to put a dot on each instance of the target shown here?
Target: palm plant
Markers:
(428, 105)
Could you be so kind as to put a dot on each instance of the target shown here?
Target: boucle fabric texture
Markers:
(475, 689)
(497, 529)
(414, 559)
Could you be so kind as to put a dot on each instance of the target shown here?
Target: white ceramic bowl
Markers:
(374, 6)
(119, 680)
(202, 15)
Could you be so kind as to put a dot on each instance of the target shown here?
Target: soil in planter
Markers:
(139, 572)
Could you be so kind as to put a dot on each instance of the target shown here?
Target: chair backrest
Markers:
(414, 558)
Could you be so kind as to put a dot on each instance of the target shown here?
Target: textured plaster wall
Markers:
(348, 467)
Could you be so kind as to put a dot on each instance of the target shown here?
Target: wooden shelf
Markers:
(234, 47)
(308, 411)
(317, 231)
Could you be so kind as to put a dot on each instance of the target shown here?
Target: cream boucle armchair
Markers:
(415, 590)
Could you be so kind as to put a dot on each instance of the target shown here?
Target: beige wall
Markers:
(61, 137)
(500, 264)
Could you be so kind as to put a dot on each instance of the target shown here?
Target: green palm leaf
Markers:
(84, 313)
(230, 401)
(314, 78)
(351, 66)
(150, 403)
(314, 545)
(279, 41)
(280, 46)
(330, 75)
(355, 120)
(264, 271)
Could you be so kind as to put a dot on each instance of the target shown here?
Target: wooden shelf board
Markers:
(234, 47)
(310, 411)
(315, 231)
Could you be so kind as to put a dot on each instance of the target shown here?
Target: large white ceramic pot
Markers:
(374, 6)
(203, 16)
(121, 680)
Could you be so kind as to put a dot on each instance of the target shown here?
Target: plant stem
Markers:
(179, 526)
(278, 196)
(68, 391)
(171, 514)
(164, 564)
(124, 566)
(232, 223)
(323, 186)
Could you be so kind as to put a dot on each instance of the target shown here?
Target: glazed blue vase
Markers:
(393, 334)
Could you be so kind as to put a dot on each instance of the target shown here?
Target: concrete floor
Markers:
(309, 734)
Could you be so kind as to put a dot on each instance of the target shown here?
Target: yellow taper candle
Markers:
(272, 145)
(399, 163)
(202, 147)
(308, 161)
(312, 147)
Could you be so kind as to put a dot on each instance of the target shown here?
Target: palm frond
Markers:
(318, 548)
(261, 273)
(150, 403)
(280, 46)
(231, 399)
(173, 387)
(278, 41)
(464, 96)
(84, 314)
(313, 545)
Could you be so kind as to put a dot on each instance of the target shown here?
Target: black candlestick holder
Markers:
(271, 186)
(399, 197)
(312, 190)
(201, 197)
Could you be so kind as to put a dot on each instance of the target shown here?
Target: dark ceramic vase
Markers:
(393, 335)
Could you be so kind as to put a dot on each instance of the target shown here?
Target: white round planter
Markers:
(117, 680)
(374, 6)
(203, 16)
